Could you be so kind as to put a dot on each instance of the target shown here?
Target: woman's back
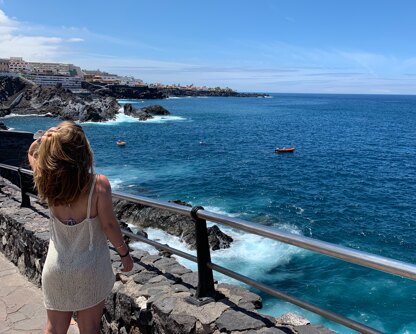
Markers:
(77, 273)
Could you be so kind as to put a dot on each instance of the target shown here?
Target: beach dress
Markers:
(77, 273)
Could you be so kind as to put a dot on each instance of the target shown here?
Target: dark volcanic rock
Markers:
(218, 239)
(224, 92)
(145, 112)
(175, 224)
(155, 110)
(23, 98)
(129, 110)
(124, 92)
(10, 87)
(3, 126)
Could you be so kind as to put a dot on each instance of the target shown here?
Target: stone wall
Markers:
(155, 297)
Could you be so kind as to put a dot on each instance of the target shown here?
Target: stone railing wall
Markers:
(155, 297)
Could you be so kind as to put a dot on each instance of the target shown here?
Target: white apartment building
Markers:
(131, 81)
(49, 68)
(45, 80)
(17, 64)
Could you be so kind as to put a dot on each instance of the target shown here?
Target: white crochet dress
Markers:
(77, 273)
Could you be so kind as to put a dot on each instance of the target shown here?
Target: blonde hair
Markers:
(64, 164)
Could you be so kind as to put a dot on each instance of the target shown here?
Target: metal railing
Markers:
(205, 287)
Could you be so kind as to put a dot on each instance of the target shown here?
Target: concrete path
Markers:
(21, 306)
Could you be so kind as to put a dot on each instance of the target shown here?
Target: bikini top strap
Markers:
(90, 197)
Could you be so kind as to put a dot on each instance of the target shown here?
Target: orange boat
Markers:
(120, 143)
(284, 150)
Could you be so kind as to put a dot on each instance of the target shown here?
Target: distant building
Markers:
(68, 82)
(49, 68)
(111, 79)
(17, 64)
(4, 65)
(130, 81)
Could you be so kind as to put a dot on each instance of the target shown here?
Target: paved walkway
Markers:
(21, 306)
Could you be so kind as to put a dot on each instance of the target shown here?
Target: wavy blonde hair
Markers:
(64, 164)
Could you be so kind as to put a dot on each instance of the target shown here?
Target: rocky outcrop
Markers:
(9, 87)
(175, 224)
(123, 92)
(22, 98)
(146, 92)
(3, 126)
(144, 113)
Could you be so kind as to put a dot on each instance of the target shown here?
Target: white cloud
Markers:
(7, 25)
(75, 40)
(14, 41)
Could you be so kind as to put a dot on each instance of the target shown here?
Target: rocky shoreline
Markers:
(99, 104)
(174, 224)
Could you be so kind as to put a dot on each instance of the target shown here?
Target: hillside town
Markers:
(71, 77)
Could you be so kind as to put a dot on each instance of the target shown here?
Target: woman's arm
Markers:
(109, 221)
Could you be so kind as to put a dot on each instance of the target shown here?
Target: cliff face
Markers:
(21, 98)
(124, 92)
(10, 87)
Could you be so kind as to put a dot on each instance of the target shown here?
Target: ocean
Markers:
(351, 182)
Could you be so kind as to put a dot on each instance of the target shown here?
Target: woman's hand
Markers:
(127, 263)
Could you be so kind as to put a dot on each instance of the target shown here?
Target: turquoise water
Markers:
(351, 181)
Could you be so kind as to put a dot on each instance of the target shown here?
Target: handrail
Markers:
(340, 252)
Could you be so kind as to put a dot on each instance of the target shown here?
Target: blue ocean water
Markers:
(351, 181)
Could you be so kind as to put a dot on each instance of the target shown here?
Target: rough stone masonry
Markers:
(155, 297)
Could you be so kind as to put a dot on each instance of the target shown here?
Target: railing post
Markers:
(205, 276)
(24, 189)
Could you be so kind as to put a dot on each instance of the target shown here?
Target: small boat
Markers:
(284, 150)
(120, 143)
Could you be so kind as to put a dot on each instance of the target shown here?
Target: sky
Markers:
(292, 46)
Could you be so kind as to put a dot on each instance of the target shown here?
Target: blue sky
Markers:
(301, 46)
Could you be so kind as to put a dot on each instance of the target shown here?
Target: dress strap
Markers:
(90, 197)
(89, 212)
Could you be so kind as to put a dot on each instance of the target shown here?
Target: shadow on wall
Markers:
(13, 151)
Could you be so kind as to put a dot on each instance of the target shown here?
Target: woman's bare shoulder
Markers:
(102, 184)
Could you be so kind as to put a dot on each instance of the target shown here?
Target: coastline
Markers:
(99, 104)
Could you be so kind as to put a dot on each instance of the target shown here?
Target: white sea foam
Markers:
(116, 183)
(124, 101)
(28, 115)
(249, 254)
(218, 210)
(163, 119)
(298, 209)
(128, 174)
(123, 118)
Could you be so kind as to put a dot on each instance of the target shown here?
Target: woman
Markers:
(77, 275)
